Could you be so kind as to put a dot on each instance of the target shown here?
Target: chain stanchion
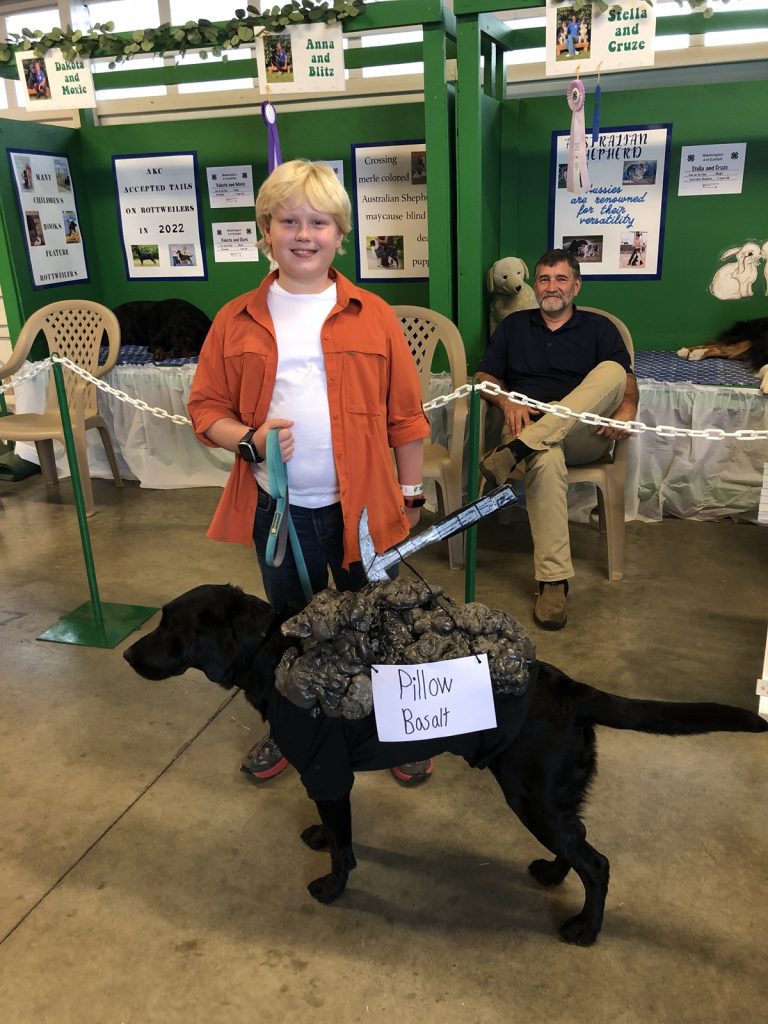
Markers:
(91, 624)
(473, 391)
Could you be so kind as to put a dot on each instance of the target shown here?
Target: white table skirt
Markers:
(689, 478)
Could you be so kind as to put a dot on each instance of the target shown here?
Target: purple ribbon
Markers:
(274, 156)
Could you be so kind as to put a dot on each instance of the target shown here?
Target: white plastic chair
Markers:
(76, 329)
(425, 329)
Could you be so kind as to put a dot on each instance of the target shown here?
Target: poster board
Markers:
(50, 223)
(160, 216)
(614, 228)
(592, 38)
(53, 83)
(390, 198)
(301, 58)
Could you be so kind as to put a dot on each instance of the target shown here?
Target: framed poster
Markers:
(301, 58)
(49, 219)
(614, 228)
(586, 38)
(160, 216)
(390, 190)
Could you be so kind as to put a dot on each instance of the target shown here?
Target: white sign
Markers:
(230, 186)
(712, 170)
(443, 698)
(590, 39)
(337, 166)
(390, 183)
(49, 218)
(303, 58)
(160, 215)
(614, 228)
(54, 82)
(234, 241)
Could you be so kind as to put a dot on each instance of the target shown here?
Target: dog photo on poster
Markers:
(614, 225)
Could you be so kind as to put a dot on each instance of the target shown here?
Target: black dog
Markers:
(544, 771)
(170, 328)
(746, 340)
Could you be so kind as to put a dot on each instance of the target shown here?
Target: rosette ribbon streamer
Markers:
(596, 114)
(578, 175)
(274, 156)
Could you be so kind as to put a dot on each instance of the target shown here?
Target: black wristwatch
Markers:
(246, 449)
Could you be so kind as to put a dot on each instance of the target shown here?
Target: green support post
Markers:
(92, 624)
(473, 471)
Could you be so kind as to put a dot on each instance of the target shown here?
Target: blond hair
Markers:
(299, 181)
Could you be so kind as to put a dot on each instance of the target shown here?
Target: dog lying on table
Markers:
(169, 328)
(746, 340)
(307, 676)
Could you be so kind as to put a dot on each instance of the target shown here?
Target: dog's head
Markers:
(506, 276)
(232, 637)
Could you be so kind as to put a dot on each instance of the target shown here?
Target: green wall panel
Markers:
(677, 309)
(238, 140)
(326, 135)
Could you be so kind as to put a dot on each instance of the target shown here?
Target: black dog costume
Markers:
(542, 753)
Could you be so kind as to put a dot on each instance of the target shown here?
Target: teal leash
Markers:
(282, 527)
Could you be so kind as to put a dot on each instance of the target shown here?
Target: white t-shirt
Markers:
(301, 395)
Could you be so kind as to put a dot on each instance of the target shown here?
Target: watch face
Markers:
(247, 449)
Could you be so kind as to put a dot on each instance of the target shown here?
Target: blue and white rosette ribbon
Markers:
(577, 176)
(274, 156)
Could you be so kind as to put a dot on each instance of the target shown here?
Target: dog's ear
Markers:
(525, 269)
(489, 279)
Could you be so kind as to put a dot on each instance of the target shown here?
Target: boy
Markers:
(326, 364)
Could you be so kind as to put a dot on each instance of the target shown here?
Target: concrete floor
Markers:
(145, 880)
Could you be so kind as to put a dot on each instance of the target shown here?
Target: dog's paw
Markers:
(683, 352)
(328, 888)
(579, 931)
(549, 872)
(695, 354)
(315, 837)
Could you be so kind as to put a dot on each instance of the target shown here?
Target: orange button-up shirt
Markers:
(373, 395)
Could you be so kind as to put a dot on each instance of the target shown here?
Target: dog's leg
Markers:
(314, 837)
(565, 835)
(336, 818)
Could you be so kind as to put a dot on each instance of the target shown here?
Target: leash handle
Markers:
(282, 528)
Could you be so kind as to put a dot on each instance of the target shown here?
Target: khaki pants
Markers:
(559, 443)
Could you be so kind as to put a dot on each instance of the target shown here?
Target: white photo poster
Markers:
(717, 169)
(160, 215)
(234, 241)
(230, 186)
(592, 39)
(614, 228)
(53, 82)
(302, 58)
(49, 219)
(392, 235)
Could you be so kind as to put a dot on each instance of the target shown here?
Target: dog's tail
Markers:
(665, 718)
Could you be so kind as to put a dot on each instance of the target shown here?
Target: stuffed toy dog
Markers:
(506, 282)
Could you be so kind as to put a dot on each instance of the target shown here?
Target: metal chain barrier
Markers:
(631, 426)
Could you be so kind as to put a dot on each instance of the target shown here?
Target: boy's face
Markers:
(304, 243)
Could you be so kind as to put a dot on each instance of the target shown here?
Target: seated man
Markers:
(556, 353)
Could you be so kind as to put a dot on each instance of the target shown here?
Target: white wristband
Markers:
(412, 490)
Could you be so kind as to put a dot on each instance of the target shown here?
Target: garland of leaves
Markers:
(204, 35)
(607, 5)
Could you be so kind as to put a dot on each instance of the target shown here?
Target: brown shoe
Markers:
(498, 465)
(551, 609)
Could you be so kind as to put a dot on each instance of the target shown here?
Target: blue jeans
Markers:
(321, 536)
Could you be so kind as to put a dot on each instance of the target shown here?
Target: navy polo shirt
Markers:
(526, 356)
